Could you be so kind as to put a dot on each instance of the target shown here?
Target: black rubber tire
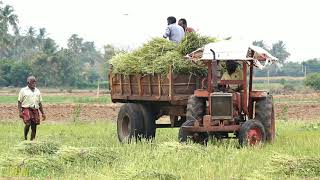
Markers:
(246, 127)
(149, 121)
(263, 113)
(195, 110)
(130, 122)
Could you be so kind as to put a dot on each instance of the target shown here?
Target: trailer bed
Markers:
(172, 88)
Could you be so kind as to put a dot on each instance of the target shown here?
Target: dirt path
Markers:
(67, 112)
(110, 112)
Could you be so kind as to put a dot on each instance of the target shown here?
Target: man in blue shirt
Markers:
(173, 31)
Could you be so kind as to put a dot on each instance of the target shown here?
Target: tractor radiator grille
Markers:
(221, 105)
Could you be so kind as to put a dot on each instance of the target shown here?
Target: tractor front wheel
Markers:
(252, 133)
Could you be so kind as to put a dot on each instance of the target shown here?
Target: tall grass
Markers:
(95, 153)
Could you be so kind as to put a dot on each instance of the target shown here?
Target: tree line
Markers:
(80, 64)
(284, 68)
(34, 53)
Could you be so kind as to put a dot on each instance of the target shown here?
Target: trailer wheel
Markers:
(252, 133)
(264, 113)
(195, 110)
(149, 121)
(129, 122)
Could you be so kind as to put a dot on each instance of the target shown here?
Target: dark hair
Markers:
(231, 66)
(184, 21)
(171, 20)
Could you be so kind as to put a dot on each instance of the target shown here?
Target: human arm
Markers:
(41, 108)
(20, 109)
(20, 99)
(42, 112)
(166, 33)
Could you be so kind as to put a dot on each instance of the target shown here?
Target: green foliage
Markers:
(312, 65)
(156, 56)
(37, 147)
(34, 53)
(91, 151)
(136, 62)
(313, 80)
(192, 41)
(179, 65)
(295, 166)
(278, 49)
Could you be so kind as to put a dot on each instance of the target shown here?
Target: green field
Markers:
(92, 151)
(65, 99)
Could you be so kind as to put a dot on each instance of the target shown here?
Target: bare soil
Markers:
(67, 112)
(88, 112)
(110, 112)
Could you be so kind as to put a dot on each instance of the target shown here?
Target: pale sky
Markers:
(129, 23)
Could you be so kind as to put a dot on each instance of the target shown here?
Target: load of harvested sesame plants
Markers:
(157, 55)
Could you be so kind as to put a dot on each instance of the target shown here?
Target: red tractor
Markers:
(222, 112)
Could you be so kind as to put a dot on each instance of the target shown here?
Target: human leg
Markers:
(26, 131)
(33, 130)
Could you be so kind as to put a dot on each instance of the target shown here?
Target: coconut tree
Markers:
(7, 19)
(279, 50)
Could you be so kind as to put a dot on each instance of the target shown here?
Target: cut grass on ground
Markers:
(92, 151)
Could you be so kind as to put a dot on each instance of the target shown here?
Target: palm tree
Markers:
(75, 43)
(7, 19)
(279, 50)
(41, 38)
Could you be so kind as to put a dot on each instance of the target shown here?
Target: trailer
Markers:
(148, 97)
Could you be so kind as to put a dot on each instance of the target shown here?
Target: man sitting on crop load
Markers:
(183, 23)
(233, 72)
(173, 31)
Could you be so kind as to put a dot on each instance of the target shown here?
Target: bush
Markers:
(313, 81)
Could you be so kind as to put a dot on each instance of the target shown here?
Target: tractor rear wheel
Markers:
(264, 113)
(252, 133)
(129, 122)
(195, 110)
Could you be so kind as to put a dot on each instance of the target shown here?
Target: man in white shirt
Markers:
(29, 104)
(173, 31)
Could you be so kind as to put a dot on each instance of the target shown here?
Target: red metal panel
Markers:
(245, 92)
(250, 105)
(258, 94)
(229, 128)
(201, 93)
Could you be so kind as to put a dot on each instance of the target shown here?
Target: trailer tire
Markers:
(195, 110)
(251, 132)
(149, 121)
(129, 122)
(264, 113)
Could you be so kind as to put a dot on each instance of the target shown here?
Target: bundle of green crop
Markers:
(156, 56)
(89, 155)
(30, 166)
(297, 166)
(193, 41)
(38, 147)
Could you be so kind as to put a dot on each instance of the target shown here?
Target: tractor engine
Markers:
(225, 107)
